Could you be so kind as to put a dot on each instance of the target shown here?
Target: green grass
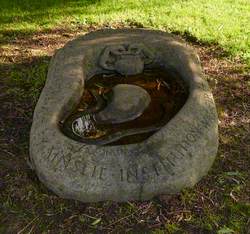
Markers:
(224, 22)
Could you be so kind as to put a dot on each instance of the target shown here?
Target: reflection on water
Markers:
(112, 114)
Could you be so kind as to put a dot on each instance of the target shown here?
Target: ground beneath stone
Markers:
(220, 202)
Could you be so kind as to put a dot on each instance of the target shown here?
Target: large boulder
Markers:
(175, 157)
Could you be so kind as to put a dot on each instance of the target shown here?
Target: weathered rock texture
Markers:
(128, 103)
(173, 158)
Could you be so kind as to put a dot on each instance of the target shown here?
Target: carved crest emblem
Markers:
(126, 59)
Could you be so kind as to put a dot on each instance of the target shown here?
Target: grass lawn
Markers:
(225, 22)
(30, 32)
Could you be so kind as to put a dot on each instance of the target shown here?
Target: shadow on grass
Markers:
(21, 86)
(27, 5)
(40, 13)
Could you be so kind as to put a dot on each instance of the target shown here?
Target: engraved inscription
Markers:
(161, 166)
(182, 149)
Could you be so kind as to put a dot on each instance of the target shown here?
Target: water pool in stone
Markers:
(108, 116)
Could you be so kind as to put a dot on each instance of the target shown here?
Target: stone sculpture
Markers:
(176, 156)
(126, 59)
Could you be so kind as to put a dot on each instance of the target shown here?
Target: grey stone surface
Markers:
(126, 59)
(128, 103)
(175, 157)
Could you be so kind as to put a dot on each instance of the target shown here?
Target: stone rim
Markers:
(60, 161)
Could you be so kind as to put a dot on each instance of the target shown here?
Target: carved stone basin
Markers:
(175, 156)
(127, 103)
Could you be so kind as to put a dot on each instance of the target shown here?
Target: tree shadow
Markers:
(39, 13)
(28, 5)
(21, 86)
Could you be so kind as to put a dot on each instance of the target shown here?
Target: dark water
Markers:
(168, 94)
